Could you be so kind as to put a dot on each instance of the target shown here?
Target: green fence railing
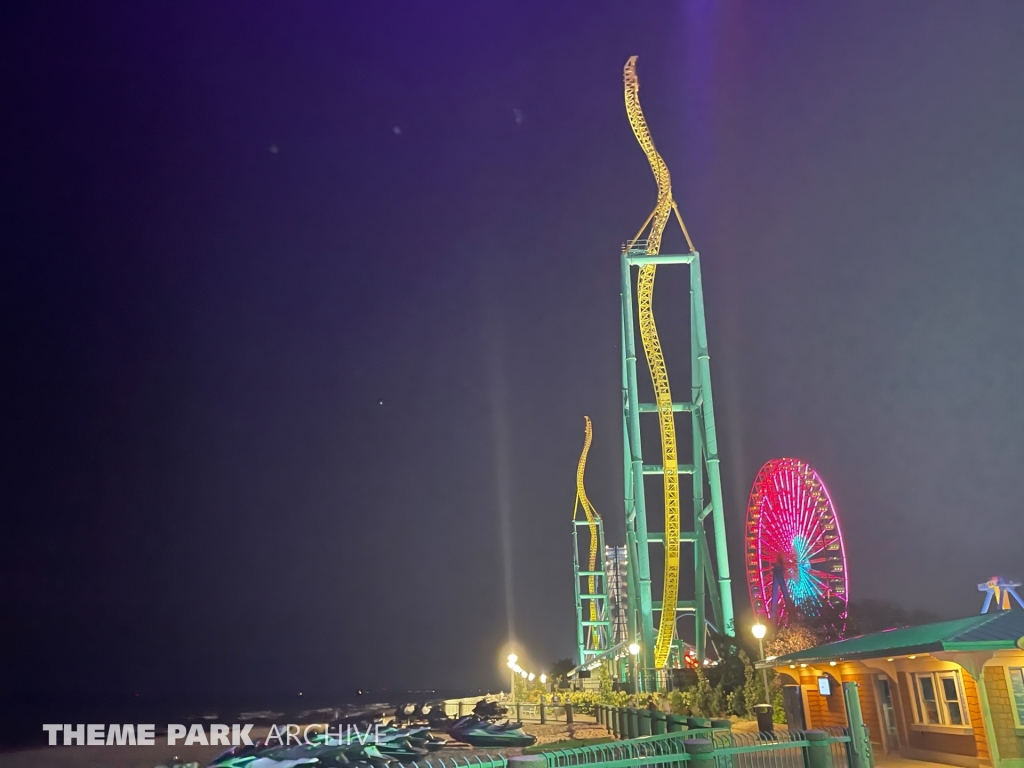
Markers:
(469, 761)
(699, 747)
(714, 748)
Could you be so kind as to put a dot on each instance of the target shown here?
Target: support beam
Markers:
(677, 407)
(682, 606)
(657, 469)
(631, 415)
(659, 537)
(640, 258)
(711, 441)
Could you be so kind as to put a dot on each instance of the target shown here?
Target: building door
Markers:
(792, 701)
(888, 714)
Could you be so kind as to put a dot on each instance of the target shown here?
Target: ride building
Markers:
(950, 692)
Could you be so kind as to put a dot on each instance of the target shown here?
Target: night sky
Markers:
(301, 301)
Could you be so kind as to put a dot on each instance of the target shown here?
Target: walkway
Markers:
(883, 760)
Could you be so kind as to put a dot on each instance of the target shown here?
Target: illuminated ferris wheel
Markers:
(796, 564)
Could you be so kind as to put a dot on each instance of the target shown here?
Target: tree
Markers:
(562, 667)
(794, 637)
(559, 670)
(865, 616)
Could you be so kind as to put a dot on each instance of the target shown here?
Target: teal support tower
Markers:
(711, 598)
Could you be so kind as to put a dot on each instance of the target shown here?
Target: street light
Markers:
(530, 678)
(512, 659)
(543, 679)
(759, 630)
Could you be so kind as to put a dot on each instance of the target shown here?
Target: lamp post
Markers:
(512, 659)
(634, 651)
(759, 631)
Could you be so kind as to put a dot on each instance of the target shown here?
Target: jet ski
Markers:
(437, 718)
(480, 733)
(489, 710)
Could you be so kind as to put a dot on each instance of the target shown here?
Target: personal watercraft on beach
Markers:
(489, 710)
(481, 733)
(328, 751)
(420, 714)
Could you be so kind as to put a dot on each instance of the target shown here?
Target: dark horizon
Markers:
(299, 301)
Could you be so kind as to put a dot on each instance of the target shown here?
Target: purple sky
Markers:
(298, 297)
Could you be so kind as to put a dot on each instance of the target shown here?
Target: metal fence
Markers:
(715, 748)
(663, 750)
(527, 712)
(470, 761)
(701, 748)
(783, 749)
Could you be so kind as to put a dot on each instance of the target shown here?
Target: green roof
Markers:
(989, 631)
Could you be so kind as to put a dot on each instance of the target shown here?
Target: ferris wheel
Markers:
(796, 564)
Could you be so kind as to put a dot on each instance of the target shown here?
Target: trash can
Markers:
(765, 723)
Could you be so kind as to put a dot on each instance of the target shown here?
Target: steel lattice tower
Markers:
(593, 620)
(658, 640)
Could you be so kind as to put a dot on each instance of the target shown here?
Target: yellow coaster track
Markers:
(590, 512)
(656, 362)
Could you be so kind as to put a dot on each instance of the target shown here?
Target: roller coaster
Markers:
(645, 254)
(659, 643)
(593, 624)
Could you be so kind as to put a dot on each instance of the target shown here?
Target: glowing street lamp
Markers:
(530, 678)
(512, 659)
(543, 679)
(758, 631)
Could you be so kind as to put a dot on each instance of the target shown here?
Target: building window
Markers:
(952, 699)
(1017, 691)
(939, 698)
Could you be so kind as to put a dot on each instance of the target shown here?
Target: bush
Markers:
(736, 702)
(718, 705)
(704, 695)
(778, 703)
(585, 701)
(753, 687)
